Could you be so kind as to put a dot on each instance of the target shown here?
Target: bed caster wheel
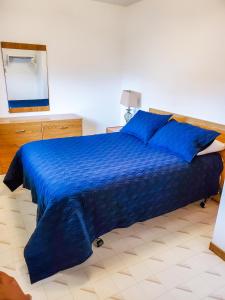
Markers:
(203, 203)
(98, 242)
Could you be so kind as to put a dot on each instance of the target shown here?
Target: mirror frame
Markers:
(23, 46)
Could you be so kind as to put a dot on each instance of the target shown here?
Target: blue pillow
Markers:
(183, 139)
(144, 125)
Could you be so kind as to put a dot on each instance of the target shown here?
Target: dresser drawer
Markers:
(61, 129)
(16, 135)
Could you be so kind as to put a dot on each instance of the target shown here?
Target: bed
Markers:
(86, 186)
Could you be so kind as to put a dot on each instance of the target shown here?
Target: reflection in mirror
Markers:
(26, 76)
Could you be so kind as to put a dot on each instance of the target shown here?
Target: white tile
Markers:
(123, 279)
(75, 278)
(204, 284)
(86, 293)
(105, 288)
(198, 244)
(155, 264)
(150, 249)
(114, 263)
(217, 294)
(37, 293)
(134, 293)
(130, 257)
(175, 275)
(152, 289)
(141, 270)
(203, 261)
(95, 272)
(173, 239)
(218, 268)
(56, 290)
(105, 252)
(181, 294)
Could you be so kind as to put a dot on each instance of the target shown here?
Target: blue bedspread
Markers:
(87, 186)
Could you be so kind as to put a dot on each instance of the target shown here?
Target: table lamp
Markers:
(130, 99)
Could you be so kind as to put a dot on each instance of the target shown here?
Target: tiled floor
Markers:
(166, 258)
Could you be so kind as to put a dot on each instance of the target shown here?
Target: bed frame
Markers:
(204, 124)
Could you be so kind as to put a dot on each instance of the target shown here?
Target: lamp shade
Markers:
(131, 99)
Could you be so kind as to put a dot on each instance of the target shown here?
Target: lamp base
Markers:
(128, 115)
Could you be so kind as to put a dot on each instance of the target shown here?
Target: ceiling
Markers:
(120, 2)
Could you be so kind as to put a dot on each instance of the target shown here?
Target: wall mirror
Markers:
(26, 76)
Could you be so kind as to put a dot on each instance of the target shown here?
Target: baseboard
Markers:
(217, 250)
(216, 198)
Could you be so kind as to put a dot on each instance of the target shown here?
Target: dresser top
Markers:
(43, 118)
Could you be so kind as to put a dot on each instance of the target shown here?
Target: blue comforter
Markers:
(87, 186)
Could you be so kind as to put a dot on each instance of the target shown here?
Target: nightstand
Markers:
(113, 129)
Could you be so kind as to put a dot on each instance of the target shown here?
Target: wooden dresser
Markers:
(15, 132)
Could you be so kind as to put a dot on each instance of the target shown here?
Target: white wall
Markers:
(173, 51)
(83, 38)
(175, 55)
(218, 236)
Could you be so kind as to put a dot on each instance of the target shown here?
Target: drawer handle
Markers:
(64, 127)
(21, 131)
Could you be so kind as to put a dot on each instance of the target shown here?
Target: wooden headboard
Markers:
(201, 123)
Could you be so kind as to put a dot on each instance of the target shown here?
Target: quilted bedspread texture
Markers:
(86, 186)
